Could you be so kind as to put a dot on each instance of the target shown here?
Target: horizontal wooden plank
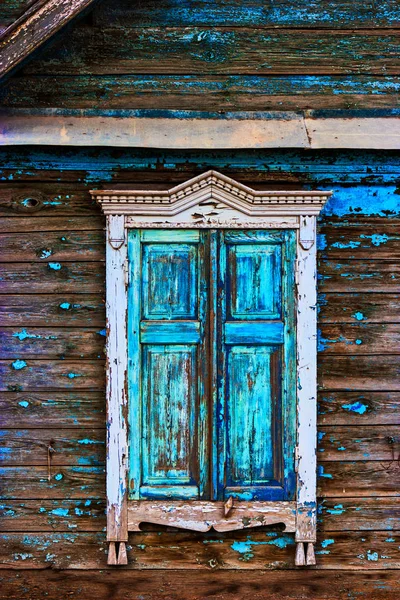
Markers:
(258, 550)
(37, 375)
(350, 373)
(219, 50)
(357, 479)
(66, 483)
(359, 408)
(359, 276)
(379, 241)
(38, 169)
(295, 584)
(63, 224)
(33, 410)
(52, 515)
(359, 307)
(80, 447)
(51, 342)
(43, 310)
(359, 514)
(65, 277)
(52, 247)
(364, 442)
(359, 338)
(288, 13)
(47, 199)
(202, 93)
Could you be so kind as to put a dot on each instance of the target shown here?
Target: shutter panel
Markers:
(168, 299)
(257, 365)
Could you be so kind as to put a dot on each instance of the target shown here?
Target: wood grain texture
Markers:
(357, 479)
(364, 442)
(52, 247)
(375, 240)
(359, 338)
(66, 277)
(35, 410)
(359, 276)
(358, 307)
(202, 93)
(359, 514)
(47, 199)
(63, 224)
(224, 585)
(362, 372)
(38, 375)
(55, 310)
(66, 483)
(220, 50)
(45, 342)
(359, 408)
(258, 550)
(52, 515)
(287, 13)
(29, 447)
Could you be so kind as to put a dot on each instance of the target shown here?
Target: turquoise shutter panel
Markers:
(256, 415)
(167, 350)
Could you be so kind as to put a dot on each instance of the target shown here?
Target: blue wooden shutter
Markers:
(212, 391)
(168, 364)
(257, 389)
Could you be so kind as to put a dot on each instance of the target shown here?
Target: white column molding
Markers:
(117, 442)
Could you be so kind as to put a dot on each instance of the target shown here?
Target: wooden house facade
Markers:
(265, 135)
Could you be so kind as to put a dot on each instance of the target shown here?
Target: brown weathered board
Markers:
(365, 442)
(36, 375)
(57, 310)
(358, 479)
(224, 585)
(244, 550)
(357, 514)
(220, 50)
(48, 246)
(54, 342)
(199, 92)
(66, 277)
(65, 483)
(359, 276)
(360, 338)
(35, 410)
(359, 408)
(28, 447)
(359, 307)
(359, 373)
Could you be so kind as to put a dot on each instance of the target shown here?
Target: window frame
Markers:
(188, 206)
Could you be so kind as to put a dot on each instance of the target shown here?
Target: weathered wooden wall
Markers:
(217, 56)
(52, 384)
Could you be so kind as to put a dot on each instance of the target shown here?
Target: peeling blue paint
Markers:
(54, 266)
(73, 375)
(344, 245)
(321, 473)
(376, 239)
(86, 441)
(372, 556)
(60, 512)
(102, 332)
(326, 543)
(24, 335)
(45, 253)
(24, 403)
(336, 510)
(359, 316)
(58, 476)
(357, 407)
(65, 306)
(19, 364)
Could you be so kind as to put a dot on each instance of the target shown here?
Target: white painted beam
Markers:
(276, 130)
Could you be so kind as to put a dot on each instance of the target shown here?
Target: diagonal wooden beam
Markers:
(42, 20)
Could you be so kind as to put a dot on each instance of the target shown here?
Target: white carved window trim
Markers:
(211, 200)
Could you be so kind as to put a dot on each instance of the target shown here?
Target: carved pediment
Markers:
(210, 199)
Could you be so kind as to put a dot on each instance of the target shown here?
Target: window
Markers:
(211, 294)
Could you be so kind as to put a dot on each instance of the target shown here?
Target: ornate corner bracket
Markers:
(210, 200)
